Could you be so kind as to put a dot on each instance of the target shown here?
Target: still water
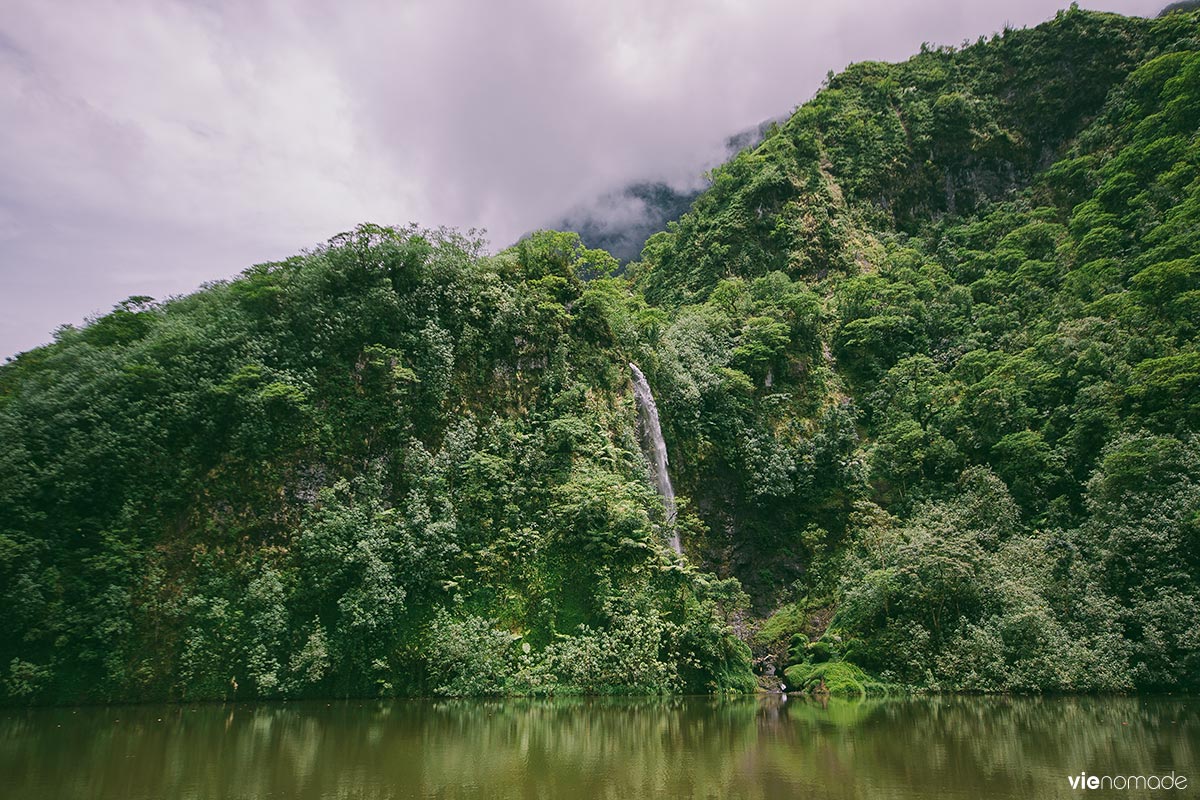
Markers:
(953, 747)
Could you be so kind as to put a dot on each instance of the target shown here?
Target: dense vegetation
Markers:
(927, 367)
(387, 466)
(975, 448)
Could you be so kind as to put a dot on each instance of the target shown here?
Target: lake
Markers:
(768, 747)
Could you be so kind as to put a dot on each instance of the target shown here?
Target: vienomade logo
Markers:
(1152, 782)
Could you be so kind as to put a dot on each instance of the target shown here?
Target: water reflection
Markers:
(583, 748)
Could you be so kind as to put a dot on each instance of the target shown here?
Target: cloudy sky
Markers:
(148, 146)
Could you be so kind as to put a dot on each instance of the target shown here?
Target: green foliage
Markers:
(469, 656)
(1016, 326)
(372, 469)
(927, 353)
(781, 625)
(836, 678)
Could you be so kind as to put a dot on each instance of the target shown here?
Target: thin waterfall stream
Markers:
(655, 448)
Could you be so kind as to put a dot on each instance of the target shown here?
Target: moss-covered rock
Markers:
(838, 678)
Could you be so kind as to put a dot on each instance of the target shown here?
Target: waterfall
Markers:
(655, 448)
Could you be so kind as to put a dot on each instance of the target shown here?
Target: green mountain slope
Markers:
(932, 361)
(391, 465)
(927, 371)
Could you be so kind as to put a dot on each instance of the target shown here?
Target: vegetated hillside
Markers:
(929, 372)
(1181, 6)
(388, 466)
(925, 361)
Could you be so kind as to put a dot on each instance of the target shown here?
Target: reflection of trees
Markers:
(986, 747)
(584, 747)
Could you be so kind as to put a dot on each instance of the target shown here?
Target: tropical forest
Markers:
(907, 401)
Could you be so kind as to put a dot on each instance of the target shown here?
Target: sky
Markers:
(149, 146)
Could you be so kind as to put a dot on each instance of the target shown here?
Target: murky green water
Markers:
(584, 748)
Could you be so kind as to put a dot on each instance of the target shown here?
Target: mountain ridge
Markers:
(621, 220)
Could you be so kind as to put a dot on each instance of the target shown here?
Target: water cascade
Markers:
(655, 448)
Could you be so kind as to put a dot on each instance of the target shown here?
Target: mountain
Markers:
(621, 221)
(926, 368)
(930, 372)
(1182, 6)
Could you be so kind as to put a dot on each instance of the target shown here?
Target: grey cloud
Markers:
(147, 147)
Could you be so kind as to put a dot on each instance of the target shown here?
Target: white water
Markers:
(655, 448)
